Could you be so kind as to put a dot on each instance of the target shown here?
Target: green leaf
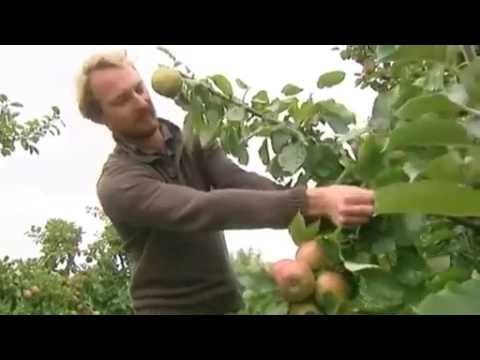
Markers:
(370, 158)
(300, 232)
(456, 299)
(448, 167)
(353, 134)
(382, 113)
(228, 139)
(470, 78)
(389, 176)
(323, 162)
(305, 112)
(379, 291)
(290, 90)
(354, 267)
(292, 157)
(241, 84)
(260, 100)
(411, 269)
(236, 113)
(264, 153)
(336, 115)
(206, 132)
(329, 303)
(302, 179)
(384, 235)
(278, 106)
(418, 161)
(412, 52)
(472, 125)
(436, 103)
(242, 154)
(197, 104)
(442, 278)
(275, 169)
(332, 250)
(437, 198)
(453, 53)
(428, 131)
(434, 238)
(277, 309)
(434, 80)
(201, 90)
(279, 140)
(213, 116)
(223, 84)
(457, 94)
(439, 264)
(404, 92)
(188, 133)
(385, 51)
(406, 229)
(383, 245)
(330, 79)
(16, 104)
(471, 165)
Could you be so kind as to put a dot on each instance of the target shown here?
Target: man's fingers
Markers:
(358, 210)
(363, 197)
(353, 220)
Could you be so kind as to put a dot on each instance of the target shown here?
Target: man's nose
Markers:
(142, 100)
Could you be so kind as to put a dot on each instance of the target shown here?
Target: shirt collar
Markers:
(138, 154)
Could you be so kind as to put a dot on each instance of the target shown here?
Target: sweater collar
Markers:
(168, 130)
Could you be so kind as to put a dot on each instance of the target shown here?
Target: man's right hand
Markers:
(344, 205)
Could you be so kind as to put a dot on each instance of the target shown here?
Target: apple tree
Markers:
(27, 134)
(419, 152)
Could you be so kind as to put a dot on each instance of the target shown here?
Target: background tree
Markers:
(26, 133)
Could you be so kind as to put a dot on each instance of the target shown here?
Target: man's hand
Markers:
(344, 205)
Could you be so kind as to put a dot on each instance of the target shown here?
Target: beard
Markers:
(145, 124)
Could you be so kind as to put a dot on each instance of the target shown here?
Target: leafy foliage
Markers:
(66, 279)
(259, 293)
(424, 121)
(27, 134)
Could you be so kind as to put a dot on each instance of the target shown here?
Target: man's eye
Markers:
(121, 100)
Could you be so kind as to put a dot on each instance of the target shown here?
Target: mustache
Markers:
(149, 110)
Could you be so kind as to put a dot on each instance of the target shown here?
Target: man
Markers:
(171, 207)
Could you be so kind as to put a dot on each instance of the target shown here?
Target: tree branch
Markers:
(468, 53)
(466, 222)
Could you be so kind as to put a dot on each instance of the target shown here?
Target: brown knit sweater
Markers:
(171, 210)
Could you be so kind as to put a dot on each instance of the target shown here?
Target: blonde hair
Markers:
(87, 104)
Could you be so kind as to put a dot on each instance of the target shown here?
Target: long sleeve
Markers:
(225, 174)
(138, 198)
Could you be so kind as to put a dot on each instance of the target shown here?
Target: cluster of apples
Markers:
(31, 292)
(304, 281)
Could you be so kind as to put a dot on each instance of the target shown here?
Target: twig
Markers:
(465, 222)
(468, 53)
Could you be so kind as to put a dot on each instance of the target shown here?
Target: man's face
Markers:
(125, 103)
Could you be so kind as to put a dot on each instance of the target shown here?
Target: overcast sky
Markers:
(60, 182)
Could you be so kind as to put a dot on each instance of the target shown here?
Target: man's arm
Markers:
(138, 198)
(225, 174)
(344, 205)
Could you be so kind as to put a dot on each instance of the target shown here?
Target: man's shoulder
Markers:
(115, 170)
